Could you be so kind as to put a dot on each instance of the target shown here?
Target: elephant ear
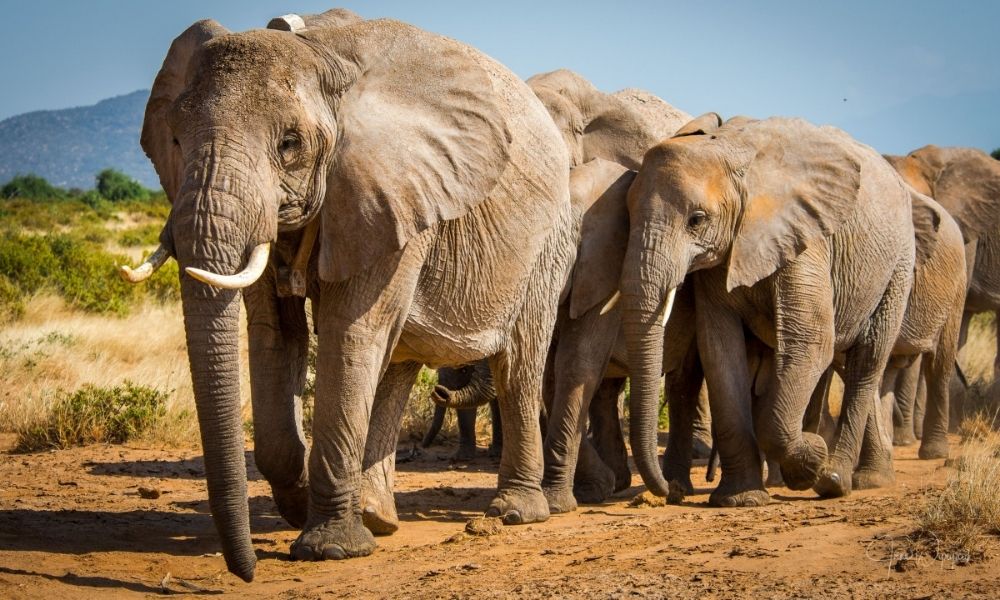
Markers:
(598, 190)
(156, 138)
(968, 187)
(927, 217)
(704, 124)
(422, 138)
(801, 185)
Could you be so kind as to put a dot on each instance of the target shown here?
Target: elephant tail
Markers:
(435, 427)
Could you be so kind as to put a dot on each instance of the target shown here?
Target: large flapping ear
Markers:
(156, 138)
(701, 125)
(661, 118)
(598, 190)
(800, 186)
(927, 217)
(968, 187)
(422, 138)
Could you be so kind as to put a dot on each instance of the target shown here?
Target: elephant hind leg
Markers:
(939, 365)
(875, 463)
(378, 508)
(606, 431)
(907, 384)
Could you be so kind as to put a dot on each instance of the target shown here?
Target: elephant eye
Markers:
(289, 146)
(697, 219)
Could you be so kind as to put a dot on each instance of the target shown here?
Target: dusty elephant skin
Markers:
(795, 233)
(422, 160)
(966, 182)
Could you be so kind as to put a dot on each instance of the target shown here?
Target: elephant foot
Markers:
(931, 448)
(593, 482)
(560, 499)
(292, 503)
(335, 539)
(835, 482)
(623, 477)
(731, 493)
(517, 507)
(678, 476)
(802, 464)
(380, 520)
(903, 436)
(464, 454)
(495, 450)
(869, 479)
(677, 491)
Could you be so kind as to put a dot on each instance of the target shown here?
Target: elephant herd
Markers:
(549, 240)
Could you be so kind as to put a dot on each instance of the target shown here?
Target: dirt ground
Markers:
(74, 525)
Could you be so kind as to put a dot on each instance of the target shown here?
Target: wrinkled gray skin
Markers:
(468, 385)
(966, 182)
(417, 154)
(796, 234)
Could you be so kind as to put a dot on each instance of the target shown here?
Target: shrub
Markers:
(953, 522)
(996, 154)
(147, 235)
(95, 414)
(11, 301)
(117, 186)
(31, 187)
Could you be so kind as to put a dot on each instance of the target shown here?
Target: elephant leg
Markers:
(804, 332)
(379, 466)
(682, 389)
(864, 366)
(606, 431)
(466, 434)
(819, 406)
(727, 373)
(496, 427)
(581, 357)
(875, 462)
(920, 405)
(906, 398)
(996, 358)
(278, 345)
(360, 323)
(702, 427)
(593, 481)
(939, 365)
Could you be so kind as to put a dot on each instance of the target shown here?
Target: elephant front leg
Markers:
(278, 345)
(496, 428)
(581, 357)
(682, 389)
(606, 431)
(466, 418)
(379, 466)
(727, 374)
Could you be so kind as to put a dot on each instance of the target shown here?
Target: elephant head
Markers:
(747, 197)
(464, 387)
(965, 181)
(376, 129)
(618, 127)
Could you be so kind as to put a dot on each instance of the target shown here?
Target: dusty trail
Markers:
(74, 525)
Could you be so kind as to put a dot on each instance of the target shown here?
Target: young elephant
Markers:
(423, 161)
(460, 388)
(795, 233)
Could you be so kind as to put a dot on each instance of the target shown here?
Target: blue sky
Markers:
(896, 75)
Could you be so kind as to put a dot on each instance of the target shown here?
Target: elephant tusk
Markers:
(254, 269)
(141, 273)
(612, 302)
(668, 305)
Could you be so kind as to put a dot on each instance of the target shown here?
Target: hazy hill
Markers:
(68, 147)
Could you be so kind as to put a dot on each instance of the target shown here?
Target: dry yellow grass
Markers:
(54, 348)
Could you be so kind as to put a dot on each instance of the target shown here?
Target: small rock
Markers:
(484, 526)
(149, 493)
(647, 498)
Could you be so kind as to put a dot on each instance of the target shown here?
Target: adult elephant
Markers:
(422, 160)
(966, 182)
(600, 131)
(795, 233)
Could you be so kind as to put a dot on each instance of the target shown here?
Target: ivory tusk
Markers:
(611, 303)
(254, 269)
(290, 22)
(668, 305)
(141, 273)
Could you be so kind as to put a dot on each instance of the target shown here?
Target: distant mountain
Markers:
(68, 147)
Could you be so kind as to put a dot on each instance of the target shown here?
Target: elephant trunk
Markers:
(435, 428)
(210, 232)
(648, 289)
(477, 392)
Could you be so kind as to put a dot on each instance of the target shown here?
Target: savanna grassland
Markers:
(103, 491)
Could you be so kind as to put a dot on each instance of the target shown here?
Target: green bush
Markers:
(117, 186)
(147, 235)
(996, 154)
(31, 187)
(11, 301)
(95, 414)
